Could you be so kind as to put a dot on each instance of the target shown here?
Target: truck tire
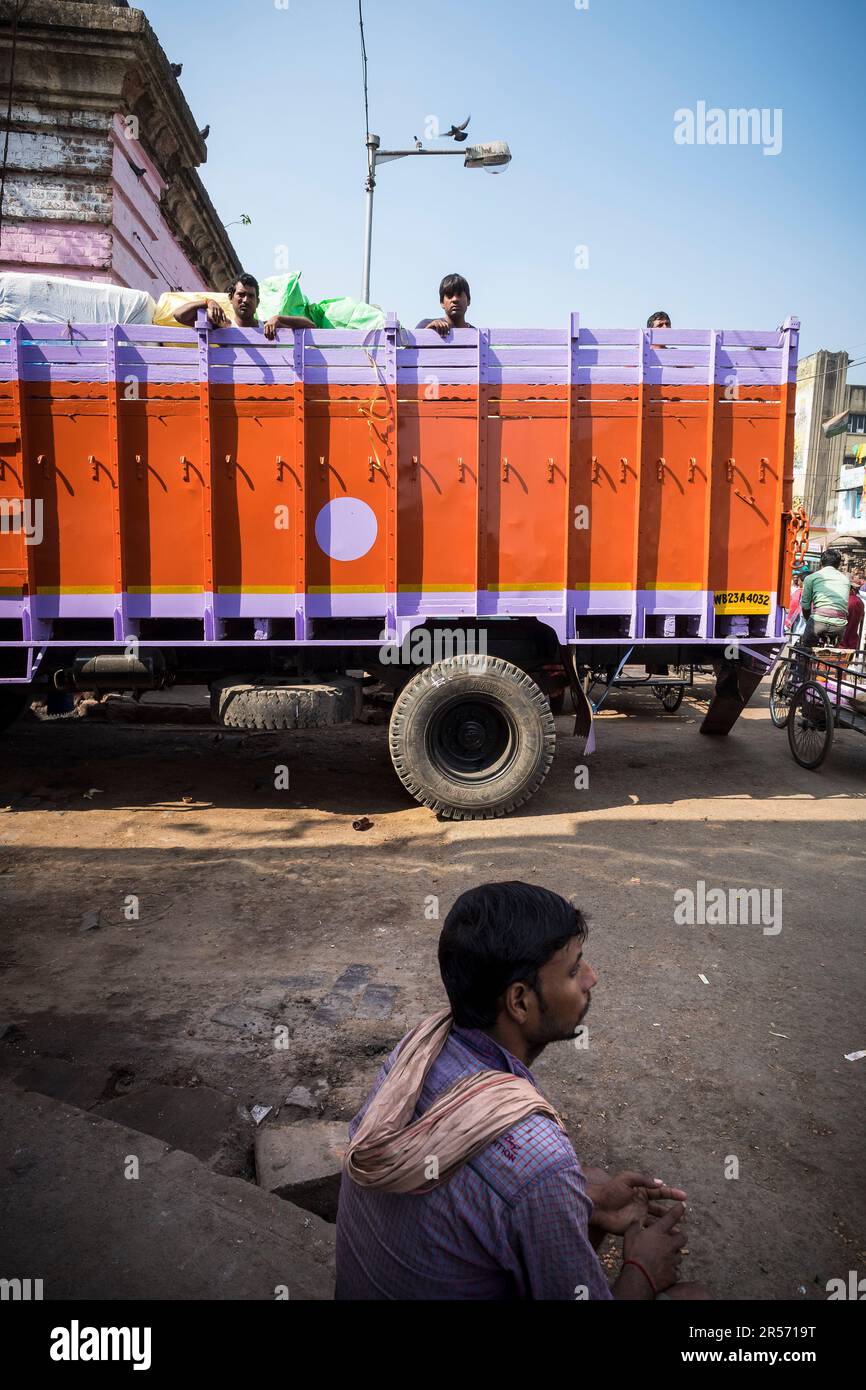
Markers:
(14, 699)
(301, 705)
(472, 742)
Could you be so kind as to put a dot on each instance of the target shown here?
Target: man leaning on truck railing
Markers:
(244, 298)
(459, 1180)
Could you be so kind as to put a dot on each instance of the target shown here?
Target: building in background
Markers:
(100, 176)
(821, 395)
(850, 513)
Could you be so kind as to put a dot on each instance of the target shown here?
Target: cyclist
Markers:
(824, 604)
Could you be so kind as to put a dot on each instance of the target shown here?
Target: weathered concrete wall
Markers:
(86, 76)
(823, 375)
(857, 399)
(68, 1214)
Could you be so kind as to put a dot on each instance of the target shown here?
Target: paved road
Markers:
(275, 946)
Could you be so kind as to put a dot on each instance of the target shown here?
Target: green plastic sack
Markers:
(281, 294)
(346, 313)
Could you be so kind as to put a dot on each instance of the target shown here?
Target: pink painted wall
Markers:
(145, 253)
(80, 249)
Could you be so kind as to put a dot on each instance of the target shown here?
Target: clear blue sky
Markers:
(718, 235)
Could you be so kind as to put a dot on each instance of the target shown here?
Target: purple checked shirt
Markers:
(510, 1224)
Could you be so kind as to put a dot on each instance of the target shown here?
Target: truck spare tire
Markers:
(472, 737)
(293, 705)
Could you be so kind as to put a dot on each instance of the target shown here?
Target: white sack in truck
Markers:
(56, 299)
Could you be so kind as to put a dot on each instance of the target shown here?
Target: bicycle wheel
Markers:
(671, 696)
(810, 725)
(782, 687)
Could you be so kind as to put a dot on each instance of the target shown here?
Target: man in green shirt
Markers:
(824, 603)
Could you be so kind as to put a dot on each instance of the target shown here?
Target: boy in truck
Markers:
(455, 298)
(244, 299)
(459, 1180)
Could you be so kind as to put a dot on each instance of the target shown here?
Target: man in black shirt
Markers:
(455, 298)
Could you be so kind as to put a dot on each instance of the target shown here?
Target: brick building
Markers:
(99, 179)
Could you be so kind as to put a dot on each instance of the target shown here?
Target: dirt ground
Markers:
(261, 908)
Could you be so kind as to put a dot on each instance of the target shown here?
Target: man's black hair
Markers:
(659, 314)
(495, 935)
(832, 557)
(454, 284)
(249, 281)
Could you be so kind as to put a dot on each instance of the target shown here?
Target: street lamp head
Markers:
(493, 155)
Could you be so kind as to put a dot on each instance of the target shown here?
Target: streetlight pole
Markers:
(494, 154)
(373, 143)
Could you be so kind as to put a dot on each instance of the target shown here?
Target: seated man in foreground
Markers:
(459, 1181)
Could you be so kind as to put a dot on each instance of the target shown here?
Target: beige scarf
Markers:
(391, 1152)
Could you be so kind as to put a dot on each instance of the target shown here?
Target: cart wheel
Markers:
(810, 725)
(671, 696)
(782, 687)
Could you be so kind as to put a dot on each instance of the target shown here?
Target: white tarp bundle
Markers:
(55, 299)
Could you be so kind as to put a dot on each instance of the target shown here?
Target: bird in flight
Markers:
(458, 132)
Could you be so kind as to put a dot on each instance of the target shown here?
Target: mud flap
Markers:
(736, 683)
(583, 723)
(584, 726)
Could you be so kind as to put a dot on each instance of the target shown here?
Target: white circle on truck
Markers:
(346, 528)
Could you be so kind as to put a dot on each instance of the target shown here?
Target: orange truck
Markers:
(482, 522)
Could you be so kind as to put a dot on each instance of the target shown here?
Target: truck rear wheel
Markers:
(14, 699)
(472, 737)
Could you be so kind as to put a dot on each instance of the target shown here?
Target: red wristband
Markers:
(637, 1264)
